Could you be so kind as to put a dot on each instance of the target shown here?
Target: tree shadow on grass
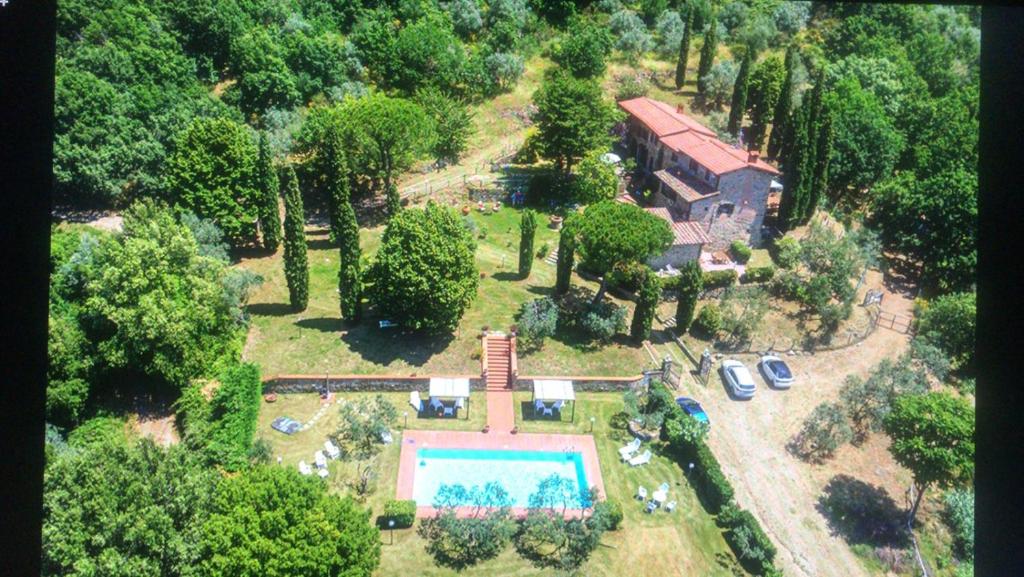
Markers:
(381, 346)
(320, 244)
(270, 309)
(506, 276)
(544, 291)
(322, 324)
(861, 513)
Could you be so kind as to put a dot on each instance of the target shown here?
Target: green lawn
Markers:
(314, 341)
(685, 542)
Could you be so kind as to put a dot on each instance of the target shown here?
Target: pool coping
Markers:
(413, 440)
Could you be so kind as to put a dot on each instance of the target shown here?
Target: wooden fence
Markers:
(899, 323)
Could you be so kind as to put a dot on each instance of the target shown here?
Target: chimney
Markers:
(752, 156)
(679, 108)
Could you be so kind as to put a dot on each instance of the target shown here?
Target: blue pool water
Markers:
(519, 472)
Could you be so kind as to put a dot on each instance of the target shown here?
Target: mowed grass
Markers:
(315, 341)
(684, 542)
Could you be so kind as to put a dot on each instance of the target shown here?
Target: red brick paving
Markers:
(413, 440)
(501, 416)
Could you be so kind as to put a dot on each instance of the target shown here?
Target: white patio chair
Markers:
(548, 412)
(331, 449)
(559, 405)
(626, 452)
(670, 506)
(460, 403)
(304, 468)
(322, 473)
(641, 493)
(449, 411)
(385, 437)
(641, 459)
(660, 496)
(320, 459)
(435, 403)
(415, 400)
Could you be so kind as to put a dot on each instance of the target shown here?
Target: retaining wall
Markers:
(284, 384)
(583, 384)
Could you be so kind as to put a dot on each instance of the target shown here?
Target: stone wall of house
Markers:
(677, 255)
(747, 189)
(284, 384)
(584, 384)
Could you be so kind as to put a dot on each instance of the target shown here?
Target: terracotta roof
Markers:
(682, 133)
(686, 186)
(661, 118)
(685, 231)
(626, 197)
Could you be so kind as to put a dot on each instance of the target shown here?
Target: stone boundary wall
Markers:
(285, 384)
(583, 384)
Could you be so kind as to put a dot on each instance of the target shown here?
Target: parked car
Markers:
(776, 372)
(739, 379)
(693, 408)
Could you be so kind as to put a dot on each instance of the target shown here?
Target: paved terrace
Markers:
(413, 440)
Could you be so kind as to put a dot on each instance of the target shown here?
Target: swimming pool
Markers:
(519, 472)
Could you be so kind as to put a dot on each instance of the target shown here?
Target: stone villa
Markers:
(711, 193)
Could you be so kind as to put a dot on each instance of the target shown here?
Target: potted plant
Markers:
(465, 210)
(270, 397)
(556, 221)
(487, 429)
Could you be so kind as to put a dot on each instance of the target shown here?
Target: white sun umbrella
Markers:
(611, 158)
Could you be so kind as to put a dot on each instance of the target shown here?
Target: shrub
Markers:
(627, 275)
(949, 323)
(786, 252)
(740, 251)
(788, 285)
(719, 278)
(403, 513)
(709, 320)
(234, 408)
(959, 515)
(712, 486)
(747, 539)
(758, 274)
(543, 251)
(603, 320)
(537, 320)
(632, 86)
(612, 512)
(824, 430)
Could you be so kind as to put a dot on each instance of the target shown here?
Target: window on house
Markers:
(693, 165)
(674, 157)
(709, 176)
(726, 208)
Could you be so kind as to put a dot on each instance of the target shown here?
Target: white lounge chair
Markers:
(670, 506)
(322, 473)
(641, 459)
(415, 400)
(626, 452)
(320, 459)
(331, 449)
(460, 403)
(641, 493)
(385, 437)
(304, 468)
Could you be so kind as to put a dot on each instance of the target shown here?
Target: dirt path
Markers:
(749, 438)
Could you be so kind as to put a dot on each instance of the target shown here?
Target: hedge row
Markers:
(223, 428)
(758, 274)
(740, 251)
(719, 278)
(744, 534)
(403, 513)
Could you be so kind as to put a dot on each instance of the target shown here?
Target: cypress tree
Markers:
(809, 161)
(336, 180)
(822, 154)
(349, 273)
(566, 256)
(739, 93)
(646, 302)
(795, 171)
(783, 106)
(296, 267)
(684, 50)
(707, 54)
(527, 228)
(394, 200)
(270, 191)
(691, 282)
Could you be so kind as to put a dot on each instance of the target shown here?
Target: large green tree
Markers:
(428, 53)
(263, 79)
(272, 521)
(684, 50)
(350, 286)
(691, 282)
(949, 322)
(213, 173)
(707, 54)
(155, 306)
(933, 436)
(763, 94)
(336, 180)
(527, 232)
(595, 180)
(739, 93)
(296, 265)
(424, 276)
(573, 118)
(461, 541)
(123, 509)
(781, 115)
(583, 49)
(612, 232)
(453, 123)
(646, 303)
(566, 255)
(269, 189)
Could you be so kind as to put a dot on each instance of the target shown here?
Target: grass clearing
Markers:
(684, 542)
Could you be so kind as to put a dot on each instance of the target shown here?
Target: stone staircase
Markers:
(498, 362)
(552, 257)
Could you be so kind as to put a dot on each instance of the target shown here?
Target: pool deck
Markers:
(413, 440)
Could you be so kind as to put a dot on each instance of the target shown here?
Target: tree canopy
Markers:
(584, 48)
(424, 276)
(573, 117)
(611, 232)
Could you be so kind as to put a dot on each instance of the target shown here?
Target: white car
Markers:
(776, 372)
(739, 379)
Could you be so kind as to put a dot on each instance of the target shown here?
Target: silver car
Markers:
(739, 379)
(776, 372)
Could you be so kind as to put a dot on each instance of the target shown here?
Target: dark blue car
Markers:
(693, 408)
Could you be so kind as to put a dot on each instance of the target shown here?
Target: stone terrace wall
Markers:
(584, 384)
(284, 384)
